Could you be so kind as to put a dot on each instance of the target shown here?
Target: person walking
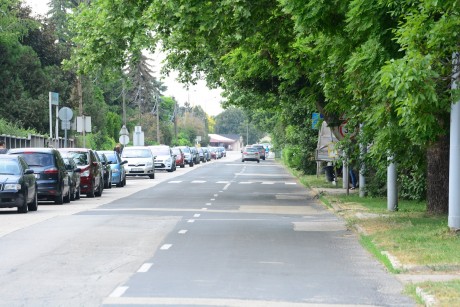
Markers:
(3, 149)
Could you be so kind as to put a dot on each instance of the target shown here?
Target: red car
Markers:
(180, 157)
(91, 176)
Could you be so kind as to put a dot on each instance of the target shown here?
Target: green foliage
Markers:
(13, 129)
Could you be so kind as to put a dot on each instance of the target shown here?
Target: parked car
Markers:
(214, 153)
(18, 188)
(91, 181)
(222, 151)
(74, 177)
(164, 157)
(180, 157)
(195, 155)
(118, 169)
(50, 172)
(201, 154)
(189, 158)
(107, 170)
(141, 161)
(207, 154)
(250, 154)
(261, 149)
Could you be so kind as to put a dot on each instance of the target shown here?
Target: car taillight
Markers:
(50, 171)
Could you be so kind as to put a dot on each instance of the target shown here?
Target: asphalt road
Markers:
(224, 233)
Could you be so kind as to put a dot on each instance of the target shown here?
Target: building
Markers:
(229, 141)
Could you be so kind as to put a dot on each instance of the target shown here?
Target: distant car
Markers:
(214, 153)
(141, 161)
(202, 155)
(222, 151)
(18, 184)
(180, 157)
(250, 154)
(189, 158)
(118, 169)
(207, 154)
(74, 177)
(195, 155)
(92, 182)
(164, 157)
(261, 149)
(107, 170)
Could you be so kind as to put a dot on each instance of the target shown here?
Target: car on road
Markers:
(91, 180)
(50, 172)
(18, 187)
(74, 178)
(164, 157)
(250, 154)
(106, 169)
(189, 158)
(180, 157)
(261, 149)
(118, 169)
(141, 161)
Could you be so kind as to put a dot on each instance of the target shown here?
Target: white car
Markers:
(141, 161)
(165, 159)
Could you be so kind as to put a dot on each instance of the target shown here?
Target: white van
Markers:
(141, 161)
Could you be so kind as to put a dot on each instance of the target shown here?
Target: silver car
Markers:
(141, 161)
(250, 154)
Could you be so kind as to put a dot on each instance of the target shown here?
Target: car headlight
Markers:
(149, 164)
(12, 186)
(169, 160)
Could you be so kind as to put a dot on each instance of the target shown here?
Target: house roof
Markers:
(216, 138)
(235, 137)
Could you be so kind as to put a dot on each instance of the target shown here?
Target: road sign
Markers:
(54, 98)
(65, 114)
(123, 139)
(65, 124)
(345, 132)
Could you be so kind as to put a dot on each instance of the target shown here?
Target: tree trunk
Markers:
(438, 177)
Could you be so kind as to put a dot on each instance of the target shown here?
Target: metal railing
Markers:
(34, 140)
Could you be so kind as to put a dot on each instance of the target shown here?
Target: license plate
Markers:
(136, 170)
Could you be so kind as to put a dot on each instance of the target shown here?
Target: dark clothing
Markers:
(353, 179)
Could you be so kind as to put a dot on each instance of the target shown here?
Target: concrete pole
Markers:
(158, 119)
(362, 169)
(345, 175)
(454, 153)
(392, 189)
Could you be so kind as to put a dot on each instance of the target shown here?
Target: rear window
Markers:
(80, 157)
(136, 153)
(251, 149)
(38, 159)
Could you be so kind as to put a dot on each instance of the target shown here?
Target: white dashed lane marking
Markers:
(145, 268)
(182, 232)
(118, 292)
(196, 215)
(166, 246)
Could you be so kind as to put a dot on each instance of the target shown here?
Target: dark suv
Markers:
(50, 172)
(91, 181)
(107, 169)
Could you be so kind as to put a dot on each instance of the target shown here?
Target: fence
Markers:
(33, 140)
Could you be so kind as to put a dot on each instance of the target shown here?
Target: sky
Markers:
(198, 94)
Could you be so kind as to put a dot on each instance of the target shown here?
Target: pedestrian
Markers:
(3, 149)
(353, 179)
(117, 148)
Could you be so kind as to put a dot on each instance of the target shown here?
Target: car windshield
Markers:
(80, 158)
(164, 151)
(38, 158)
(176, 151)
(9, 167)
(185, 149)
(136, 153)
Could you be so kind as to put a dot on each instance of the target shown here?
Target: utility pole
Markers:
(158, 118)
(80, 107)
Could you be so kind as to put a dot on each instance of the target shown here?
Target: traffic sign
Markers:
(344, 131)
(65, 114)
(123, 139)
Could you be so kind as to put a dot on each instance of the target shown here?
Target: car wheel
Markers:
(24, 208)
(258, 161)
(182, 165)
(33, 206)
(124, 181)
(67, 197)
(99, 189)
(77, 194)
(120, 184)
(91, 193)
(152, 176)
(191, 164)
(110, 182)
(59, 199)
(242, 160)
(73, 193)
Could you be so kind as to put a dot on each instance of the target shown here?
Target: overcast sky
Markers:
(197, 95)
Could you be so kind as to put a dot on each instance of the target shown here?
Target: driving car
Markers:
(50, 172)
(261, 149)
(18, 186)
(180, 157)
(106, 170)
(189, 158)
(74, 177)
(118, 169)
(250, 154)
(91, 181)
(141, 161)
(164, 157)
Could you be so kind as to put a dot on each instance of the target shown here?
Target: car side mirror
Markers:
(28, 171)
(124, 162)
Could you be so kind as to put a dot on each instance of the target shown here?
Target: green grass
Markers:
(446, 293)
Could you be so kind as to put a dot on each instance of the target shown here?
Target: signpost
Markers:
(65, 115)
(53, 100)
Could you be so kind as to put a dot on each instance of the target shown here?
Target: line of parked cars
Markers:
(29, 175)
